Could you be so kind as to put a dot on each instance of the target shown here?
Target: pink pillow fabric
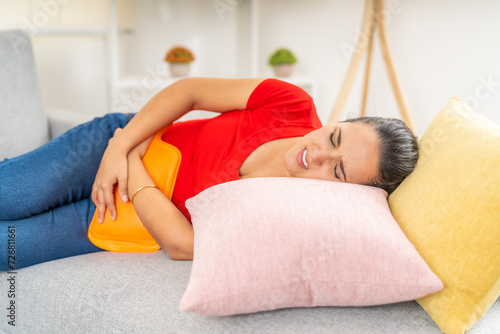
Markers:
(269, 243)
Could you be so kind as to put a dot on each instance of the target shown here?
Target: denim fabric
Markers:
(45, 205)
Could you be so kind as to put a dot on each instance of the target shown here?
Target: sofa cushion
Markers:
(23, 125)
(449, 208)
(269, 243)
(107, 292)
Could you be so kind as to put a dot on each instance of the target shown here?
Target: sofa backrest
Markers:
(23, 125)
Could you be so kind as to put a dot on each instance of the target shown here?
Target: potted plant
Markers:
(282, 61)
(179, 59)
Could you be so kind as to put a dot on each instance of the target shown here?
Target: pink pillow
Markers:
(269, 243)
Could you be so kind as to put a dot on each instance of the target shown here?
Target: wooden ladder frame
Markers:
(372, 20)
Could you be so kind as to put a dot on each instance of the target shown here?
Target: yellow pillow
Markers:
(449, 208)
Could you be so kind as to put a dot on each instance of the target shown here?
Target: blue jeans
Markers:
(45, 205)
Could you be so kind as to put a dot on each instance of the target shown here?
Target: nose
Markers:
(321, 156)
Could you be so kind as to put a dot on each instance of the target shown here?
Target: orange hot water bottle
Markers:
(126, 233)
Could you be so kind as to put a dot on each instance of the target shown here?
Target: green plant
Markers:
(282, 56)
(179, 54)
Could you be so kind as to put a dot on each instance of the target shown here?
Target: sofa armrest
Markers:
(61, 120)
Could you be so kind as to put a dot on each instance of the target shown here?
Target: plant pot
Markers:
(179, 69)
(283, 71)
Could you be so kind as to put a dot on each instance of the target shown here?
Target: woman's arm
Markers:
(166, 224)
(218, 95)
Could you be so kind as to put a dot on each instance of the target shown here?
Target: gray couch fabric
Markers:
(139, 293)
(23, 125)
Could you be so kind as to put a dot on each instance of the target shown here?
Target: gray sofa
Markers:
(108, 292)
(139, 293)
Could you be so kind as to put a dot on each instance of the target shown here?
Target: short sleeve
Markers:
(274, 93)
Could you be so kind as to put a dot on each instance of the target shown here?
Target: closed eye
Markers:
(335, 172)
(331, 138)
(339, 138)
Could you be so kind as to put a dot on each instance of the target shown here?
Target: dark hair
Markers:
(398, 150)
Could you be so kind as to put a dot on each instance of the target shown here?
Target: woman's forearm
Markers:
(165, 107)
(217, 95)
(166, 224)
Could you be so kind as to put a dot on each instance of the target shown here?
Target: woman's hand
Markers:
(112, 171)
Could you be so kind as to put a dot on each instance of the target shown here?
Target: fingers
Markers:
(101, 210)
(112, 172)
(94, 194)
(106, 200)
(109, 200)
(122, 187)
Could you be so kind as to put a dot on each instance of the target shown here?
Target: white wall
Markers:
(158, 25)
(441, 48)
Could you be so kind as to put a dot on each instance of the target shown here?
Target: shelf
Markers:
(73, 32)
(153, 83)
(146, 81)
(136, 81)
(68, 32)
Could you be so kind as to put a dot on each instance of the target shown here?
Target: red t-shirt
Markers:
(214, 149)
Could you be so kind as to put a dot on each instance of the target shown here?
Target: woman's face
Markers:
(342, 152)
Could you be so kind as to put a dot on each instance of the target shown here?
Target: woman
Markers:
(266, 128)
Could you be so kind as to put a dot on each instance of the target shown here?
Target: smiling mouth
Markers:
(304, 160)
